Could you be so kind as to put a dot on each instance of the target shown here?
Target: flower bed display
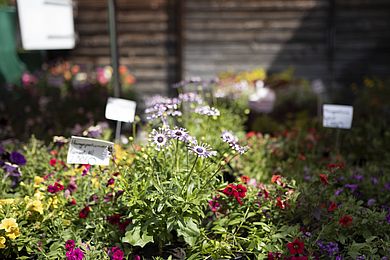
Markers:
(200, 187)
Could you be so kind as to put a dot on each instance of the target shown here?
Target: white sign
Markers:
(89, 151)
(46, 24)
(120, 109)
(337, 116)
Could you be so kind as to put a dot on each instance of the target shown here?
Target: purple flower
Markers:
(202, 150)
(374, 180)
(8, 167)
(116, 253)
(240, 149)
(352, 187)
(180, 134)
(338, 258)
(75, 254)
(2, 151)
(388, 218)
(358, 177)
(338, 191)
(17, 158)
(160, 139)
(69, 245)
(371, 202)
(387, 186)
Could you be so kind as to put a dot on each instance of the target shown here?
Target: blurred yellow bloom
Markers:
(95, 183)
(6, 201)
(35, 205)
(8, 223)
(14, 233)
(53, 202)
(2, 242)
(38, 180)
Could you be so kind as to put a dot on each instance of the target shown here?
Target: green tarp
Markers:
(11, 68)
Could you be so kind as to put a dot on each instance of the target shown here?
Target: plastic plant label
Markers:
(89, 151)
(120, 109)
(337, 116)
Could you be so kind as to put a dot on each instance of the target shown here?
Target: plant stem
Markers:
(188, 176)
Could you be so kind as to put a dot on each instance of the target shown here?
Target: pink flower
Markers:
(75, 254)
(69, 245)
(116, 253)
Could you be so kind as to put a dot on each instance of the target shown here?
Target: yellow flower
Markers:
(8, 223)
(35, 205)
(2, 242)
(95, 183)
(38, 180)
(14, 233)
(53, 202)
(6, 201)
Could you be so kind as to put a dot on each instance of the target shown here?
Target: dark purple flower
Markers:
(2, 151)
(111, 181)
(75, 254)
(338, 191)
(387, 186)
(374, 180)
(69, 245)
(338, 257)
(17, 158)
(388, 218)
(352, 187)
(371, 202)
(8, 167)
(358, 177)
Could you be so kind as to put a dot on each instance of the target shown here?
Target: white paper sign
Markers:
(120, 109)
(46, 24)
(89, 151)
(337, 116)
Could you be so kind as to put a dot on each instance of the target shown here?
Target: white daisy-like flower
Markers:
(180, 134)
(160, 139)
(229, 137)
(208, 111)
(202, 150)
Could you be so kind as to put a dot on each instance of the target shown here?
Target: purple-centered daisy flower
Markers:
(160, 139)
(240, 149)
(202, 150)
(208, 111)
(17, 158)
(229, 137)
(180, 134)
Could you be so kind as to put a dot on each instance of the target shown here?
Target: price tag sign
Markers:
(89, 151)
(120, 109)
(337, 116)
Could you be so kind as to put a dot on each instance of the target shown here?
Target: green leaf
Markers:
(134, 237)
(189, 230)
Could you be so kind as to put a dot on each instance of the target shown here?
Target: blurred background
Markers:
(343, 45)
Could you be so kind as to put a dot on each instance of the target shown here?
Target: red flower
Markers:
(281, 204)
(59, 186)
(241, 189)
(245, 179)
(301, 157)
(345, 220)
(55, 188)
(276, 178)
(230, 189)
(250, 134)
(274, 256)
(53, 162)
(297, 258)
(324, 179)
(296, 247)
(84, 212)
(332, 207)
(73, 202)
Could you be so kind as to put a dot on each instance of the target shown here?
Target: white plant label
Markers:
(89, 151)
(337, 116)
(120, 109)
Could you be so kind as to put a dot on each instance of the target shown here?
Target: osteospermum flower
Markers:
(202, 150)
(229, 137)
(208, 111)
(160, 139)
(180, 134)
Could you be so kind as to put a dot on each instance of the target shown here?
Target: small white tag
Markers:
(120, 109)
(89, 151)
(337, 116)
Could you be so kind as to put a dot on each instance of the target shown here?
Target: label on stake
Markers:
(120, 109)
(84, 150)
(337, 116)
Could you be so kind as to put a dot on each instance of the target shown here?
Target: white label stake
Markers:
(337, 116)
(120, 109)
(89, 151)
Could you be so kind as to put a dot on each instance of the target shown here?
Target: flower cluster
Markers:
(232, 140)
(331, 248)
(11, 163)
(72, 252)
(207, 111)
(236, 191)
(11, 228)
